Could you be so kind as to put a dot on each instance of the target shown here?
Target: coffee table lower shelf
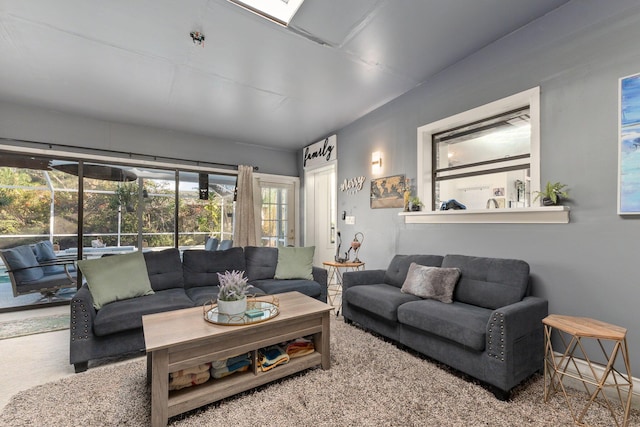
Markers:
(215, 389)
(181, 339)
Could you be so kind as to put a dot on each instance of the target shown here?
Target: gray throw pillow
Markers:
(431, 282)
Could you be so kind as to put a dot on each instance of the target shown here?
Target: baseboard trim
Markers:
(586, 372)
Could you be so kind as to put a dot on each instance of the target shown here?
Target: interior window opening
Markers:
(484, 158)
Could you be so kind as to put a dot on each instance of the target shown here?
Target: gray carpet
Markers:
(371, 383)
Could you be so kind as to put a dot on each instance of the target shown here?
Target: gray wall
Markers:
(43, 125)
(576, 55)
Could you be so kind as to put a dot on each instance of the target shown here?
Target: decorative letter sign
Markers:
(320, 153)
(353, 185)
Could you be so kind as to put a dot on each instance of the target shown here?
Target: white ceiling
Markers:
(133, 61)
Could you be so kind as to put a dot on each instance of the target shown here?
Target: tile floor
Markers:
(44, 356)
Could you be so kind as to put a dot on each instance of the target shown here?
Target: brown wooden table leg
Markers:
(159, 388)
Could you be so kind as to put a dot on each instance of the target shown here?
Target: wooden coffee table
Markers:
(181, 339)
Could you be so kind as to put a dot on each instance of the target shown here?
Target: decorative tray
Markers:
(259, 309)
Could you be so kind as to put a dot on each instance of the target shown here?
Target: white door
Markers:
(320, 212)
(278, 213)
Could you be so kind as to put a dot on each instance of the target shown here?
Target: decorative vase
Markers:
(546, 201)
(232, 307)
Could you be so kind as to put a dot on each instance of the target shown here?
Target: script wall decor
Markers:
(353, 185)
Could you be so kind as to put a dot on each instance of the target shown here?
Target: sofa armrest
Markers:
(320, 276)
(83, 315)
(511, 324)
(362, 277)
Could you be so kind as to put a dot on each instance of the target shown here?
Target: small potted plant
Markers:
(415, 204)
(552, 194)
(232, 297)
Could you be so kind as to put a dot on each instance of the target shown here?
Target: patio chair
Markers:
(225, 244)
(211, 244)
(46, 273)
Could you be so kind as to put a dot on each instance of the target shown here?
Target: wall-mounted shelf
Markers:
(538, 215)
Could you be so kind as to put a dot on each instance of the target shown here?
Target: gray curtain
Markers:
(245, 233)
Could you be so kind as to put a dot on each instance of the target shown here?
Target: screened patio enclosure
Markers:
(113, 208)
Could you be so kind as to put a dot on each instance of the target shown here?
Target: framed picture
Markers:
(387, 192)
(629, 146)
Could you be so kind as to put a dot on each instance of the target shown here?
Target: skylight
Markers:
(279, 11)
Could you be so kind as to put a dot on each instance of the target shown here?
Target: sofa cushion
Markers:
(203, 294)
(164, 269)
(396, 273)
(382, 299)
(116, 278)
(44, 253)
(295, 263)
(22, 257)
(431, 282)
(274, 286)
(462, 323)
(201, 268)
(127, 314)
(47, 282)
(261, 262)
(489, 282)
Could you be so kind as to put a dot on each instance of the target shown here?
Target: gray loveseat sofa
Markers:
(491, 331)
(116, 328)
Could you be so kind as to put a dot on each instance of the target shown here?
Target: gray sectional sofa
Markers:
(491, 331)
(177, 283)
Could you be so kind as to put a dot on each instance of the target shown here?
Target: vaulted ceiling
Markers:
(252, 80)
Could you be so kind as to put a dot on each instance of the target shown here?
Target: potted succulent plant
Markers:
(232, 297)
(552, 194)
(415, 204)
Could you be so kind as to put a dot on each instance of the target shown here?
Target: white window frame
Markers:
(529, 97)
(534, 214)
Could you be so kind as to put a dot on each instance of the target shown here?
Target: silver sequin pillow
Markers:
(431, 282)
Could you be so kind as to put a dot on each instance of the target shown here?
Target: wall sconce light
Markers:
(376, 162)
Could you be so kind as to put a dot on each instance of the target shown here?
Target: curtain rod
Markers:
(110, 153)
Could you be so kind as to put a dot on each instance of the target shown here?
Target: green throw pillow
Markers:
(116, 277)
(295, 263)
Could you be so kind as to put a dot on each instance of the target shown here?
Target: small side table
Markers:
(335, 273)
(612, 341)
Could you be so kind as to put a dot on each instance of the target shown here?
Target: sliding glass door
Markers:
(206, 207)
(116, 208)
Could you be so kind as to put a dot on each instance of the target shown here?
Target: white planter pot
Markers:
(232, 307)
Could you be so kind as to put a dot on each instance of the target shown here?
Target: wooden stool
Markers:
(595, 377)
